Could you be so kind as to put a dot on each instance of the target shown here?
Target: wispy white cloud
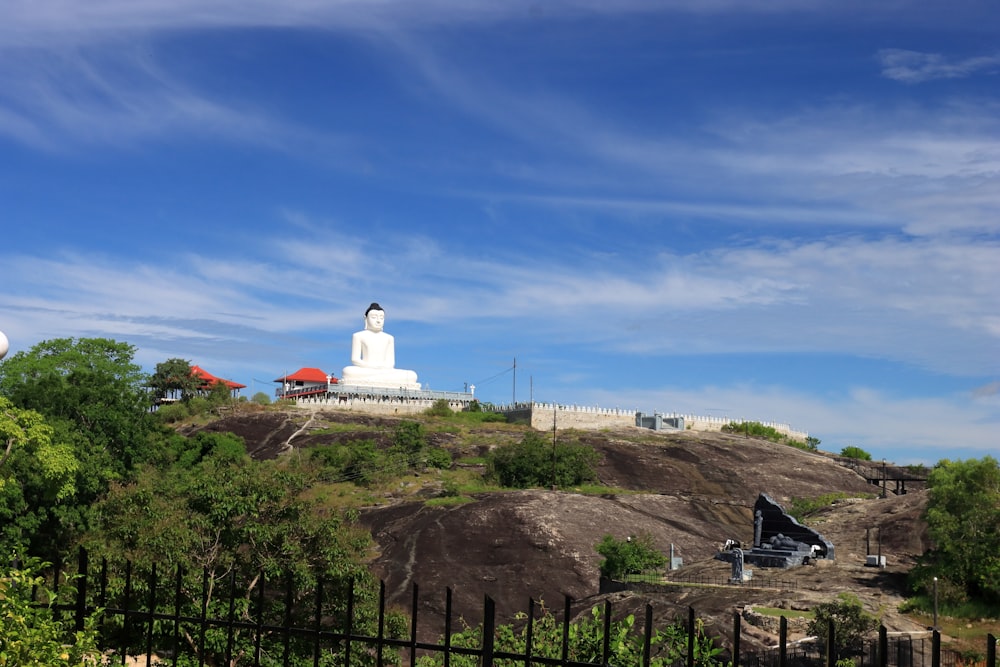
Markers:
(917, 67)
(927, 303)
(63, 98)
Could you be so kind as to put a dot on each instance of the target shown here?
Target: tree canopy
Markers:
(629, 556)
(172, 379)
(963, 512)
(535, 462)
(92, 383)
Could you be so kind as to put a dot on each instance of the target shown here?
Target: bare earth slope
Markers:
(689, 490)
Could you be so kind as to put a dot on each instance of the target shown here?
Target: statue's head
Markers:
(374, 317)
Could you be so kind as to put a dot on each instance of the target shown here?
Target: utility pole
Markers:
(554, 413)
(513, 391)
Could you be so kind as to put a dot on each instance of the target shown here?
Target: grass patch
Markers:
(600, 490)
(449, 501)
(803, 507)
(787, 613)
(339, 428)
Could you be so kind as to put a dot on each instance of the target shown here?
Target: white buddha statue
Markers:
(373, 357)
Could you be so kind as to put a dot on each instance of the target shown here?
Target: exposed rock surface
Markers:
(689, 490)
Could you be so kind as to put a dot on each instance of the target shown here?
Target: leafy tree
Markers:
(853, 452)
(629, 556)
(851, 624)
(963, 512)
(260, 398)
(40, 476)
(812, 443)
(246, 524)
(91, 383)
(30, 633)
(172, 379)
(535, 462)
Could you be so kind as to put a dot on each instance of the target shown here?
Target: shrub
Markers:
(852, 452)
(260, 398)
(170, 413)
(441, 408)
(437, 457)
(34, 635)
(629, 556)
(534, 462)
(851, 623)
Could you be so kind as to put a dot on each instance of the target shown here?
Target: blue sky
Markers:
(779, 210)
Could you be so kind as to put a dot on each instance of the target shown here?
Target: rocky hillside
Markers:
(687, 490)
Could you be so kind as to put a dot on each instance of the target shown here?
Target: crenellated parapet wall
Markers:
(543, 416)
(703, 423)
(382, 401)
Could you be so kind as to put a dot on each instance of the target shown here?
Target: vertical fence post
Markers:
(991, 650)
(883, 646)
(203, 625)
(379, 646)
(489, 631)
(831, 644)
(648, 637)
(317, 620)
(782, 641)
(286, 631)
(936, 648)
(126, 616)
(529, 632)
(737, 629)
(81, 590)
(152, 613)
(447, 626)
(691, 633)
(606, 648)
(349, 630)
(565, 633)
(259, 630)
(231, 618)
(413, 625)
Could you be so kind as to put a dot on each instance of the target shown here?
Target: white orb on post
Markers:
(4, 345)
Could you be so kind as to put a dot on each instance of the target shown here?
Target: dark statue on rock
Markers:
(778, 539)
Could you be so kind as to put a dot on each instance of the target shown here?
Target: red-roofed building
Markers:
(304, 382)
(208, 381)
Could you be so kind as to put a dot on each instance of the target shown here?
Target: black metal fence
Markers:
(152, 619)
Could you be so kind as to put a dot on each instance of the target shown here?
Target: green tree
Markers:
(851, 624)
(963, 512)
(260, 398)
(853, 452)
(40, 476)
(245, 523)
(535, 461)
(629, 556)
(91, 383)
(172, 379)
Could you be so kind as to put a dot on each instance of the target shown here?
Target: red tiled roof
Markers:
(209, 379)
(306, 375)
